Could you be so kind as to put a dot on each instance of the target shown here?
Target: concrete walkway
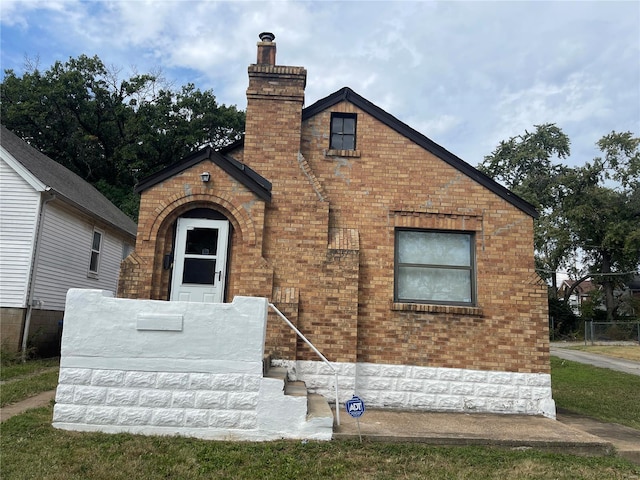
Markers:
(41, 400)
(622, 365)
(515, 431)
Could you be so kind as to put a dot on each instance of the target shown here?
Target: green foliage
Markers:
(524, 164)
(566, 323)
(112, 132)
(605, 217)
(591, 213)
(529, 165)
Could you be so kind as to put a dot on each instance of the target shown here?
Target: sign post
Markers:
(355, 408)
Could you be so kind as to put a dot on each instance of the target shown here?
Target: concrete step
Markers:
(318, 407)
(277, 372)
(298, 389)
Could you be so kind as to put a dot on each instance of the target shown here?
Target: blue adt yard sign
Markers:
(355, 407)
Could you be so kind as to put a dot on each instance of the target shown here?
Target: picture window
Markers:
(434, 267)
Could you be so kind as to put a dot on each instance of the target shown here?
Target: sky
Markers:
(465, 74)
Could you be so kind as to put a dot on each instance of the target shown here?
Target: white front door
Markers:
(200, 260)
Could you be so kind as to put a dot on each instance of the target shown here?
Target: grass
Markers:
(22, 388)
(628, 352)
(597, 392)
(23, 380)
(18, 369)
(33, 449)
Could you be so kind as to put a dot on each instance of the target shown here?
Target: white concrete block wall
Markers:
(427, 388)
(173, 368)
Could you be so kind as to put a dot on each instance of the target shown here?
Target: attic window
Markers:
(343, 131)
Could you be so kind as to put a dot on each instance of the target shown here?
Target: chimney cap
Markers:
(267, 37)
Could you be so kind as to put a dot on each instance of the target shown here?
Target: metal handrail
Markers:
(324, 359)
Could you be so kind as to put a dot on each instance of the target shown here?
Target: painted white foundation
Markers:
(173, 368)
(426, 388)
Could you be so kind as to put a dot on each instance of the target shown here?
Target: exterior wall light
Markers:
(205, 176)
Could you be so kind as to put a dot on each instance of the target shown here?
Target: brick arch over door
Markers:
(162, 230)
(177, 205)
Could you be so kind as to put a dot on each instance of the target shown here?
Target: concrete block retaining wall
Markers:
(173, 368)
(426, 388)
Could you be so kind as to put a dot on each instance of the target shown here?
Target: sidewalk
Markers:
(41, 400)
(514, 431)
(563, 351)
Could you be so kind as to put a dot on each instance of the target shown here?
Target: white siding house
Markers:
(56, 232)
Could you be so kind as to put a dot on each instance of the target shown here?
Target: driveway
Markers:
(619, 364)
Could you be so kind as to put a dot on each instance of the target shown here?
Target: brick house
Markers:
(406, 267)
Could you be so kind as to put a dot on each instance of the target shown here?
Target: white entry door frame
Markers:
(200, 260)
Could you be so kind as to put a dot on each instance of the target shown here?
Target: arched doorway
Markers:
(200, 257)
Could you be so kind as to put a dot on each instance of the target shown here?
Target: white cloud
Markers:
(467, 74)
(17, 12)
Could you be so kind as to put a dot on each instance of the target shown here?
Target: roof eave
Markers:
(237, 170)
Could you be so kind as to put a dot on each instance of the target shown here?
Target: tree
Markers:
(109, 131)
(603, 209)
(525, 164)
(591, 211)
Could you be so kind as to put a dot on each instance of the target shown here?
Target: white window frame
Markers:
(471, 269)
(95, 252)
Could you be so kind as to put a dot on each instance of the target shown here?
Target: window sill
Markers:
(342, 153)
(92, 275)
(430, 308)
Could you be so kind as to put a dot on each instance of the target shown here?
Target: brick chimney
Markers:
(275, 98)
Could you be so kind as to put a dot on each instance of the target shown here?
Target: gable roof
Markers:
(64, 183)
(346, 94)
(238, 170)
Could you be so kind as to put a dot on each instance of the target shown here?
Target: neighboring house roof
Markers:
(584, 287)
(346, 94)
(64, 183)
(238, 170)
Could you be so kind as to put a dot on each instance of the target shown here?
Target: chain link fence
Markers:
(608, 332)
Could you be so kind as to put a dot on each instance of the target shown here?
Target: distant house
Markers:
(410, 270)
(56, 232)
(627, 296)
(580, 294)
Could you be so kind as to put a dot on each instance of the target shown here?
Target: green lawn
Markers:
(597, 392)
(13, 369)
(31, 448)
(22, 380)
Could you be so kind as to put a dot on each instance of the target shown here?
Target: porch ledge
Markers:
(429, 308)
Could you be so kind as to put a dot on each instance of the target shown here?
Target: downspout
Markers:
(32, 273)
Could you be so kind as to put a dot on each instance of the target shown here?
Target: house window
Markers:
(343, 131)
(96, 245)
(434, 267)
